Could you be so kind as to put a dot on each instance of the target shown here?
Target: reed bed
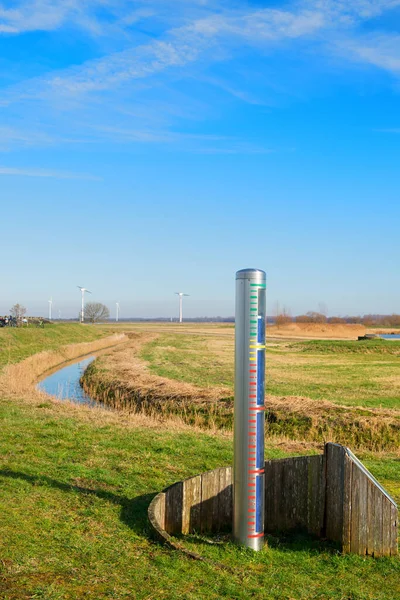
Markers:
(123, 381)
(21, 377)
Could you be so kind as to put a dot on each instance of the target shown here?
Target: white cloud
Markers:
(348, 11)
(10, 137)
(182, 46)
(380, 50)
(49, 15)
(390, 130)
(227, 30)
(97, 88)
(33, 172)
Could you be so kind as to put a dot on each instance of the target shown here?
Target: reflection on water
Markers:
(64, 384)
(389, 336)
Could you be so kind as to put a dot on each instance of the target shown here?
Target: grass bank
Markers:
(179, 376)
(18, 343)
(349, 373)
(75, 486)
(75, 490)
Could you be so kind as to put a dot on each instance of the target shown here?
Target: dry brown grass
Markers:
(330, 331)
(122, 380)
(18, 382)
(21, 377)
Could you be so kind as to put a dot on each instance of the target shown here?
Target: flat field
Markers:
(17, 343)
(351, 373)
(76, 483)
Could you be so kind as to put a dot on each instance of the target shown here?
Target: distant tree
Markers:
(336, 320)
(311, 317)
(353, 320)
(395, 320)
(369, 320)
(18, 311)
(95, 311)
(283, 317)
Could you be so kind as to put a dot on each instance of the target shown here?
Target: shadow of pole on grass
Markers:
(133, 510)
(134, 515)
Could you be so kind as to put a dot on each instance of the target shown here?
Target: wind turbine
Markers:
(180, 294)
(50, 305)
(117, 314)
(83, 290)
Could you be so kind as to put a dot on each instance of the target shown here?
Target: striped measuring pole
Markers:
(249, 477)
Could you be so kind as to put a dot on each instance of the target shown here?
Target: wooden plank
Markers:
(355, 511)
(278, 497)
(347, 485)
(269, 495)
(315, 494)
(363, 515)
(394, 531)
(159, 510)
(378, 523)
(209, 501)
(370, 516)
(287, 495)
(191, 505)
(386, 526)
(334, 491)
(173, 508)
(225, 498)
(300, 492)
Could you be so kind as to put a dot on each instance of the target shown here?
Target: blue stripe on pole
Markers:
(260, 441)
(259, 503)
(260, 377)
(261, 330)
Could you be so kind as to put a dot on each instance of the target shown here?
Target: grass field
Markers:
(17, 343)
(347, 373)
(75, 486)
(73, 519)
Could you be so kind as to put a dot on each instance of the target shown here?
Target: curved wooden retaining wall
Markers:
(331, 495)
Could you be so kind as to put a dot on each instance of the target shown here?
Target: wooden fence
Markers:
(331, 495)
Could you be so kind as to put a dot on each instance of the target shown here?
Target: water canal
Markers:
(64, 384)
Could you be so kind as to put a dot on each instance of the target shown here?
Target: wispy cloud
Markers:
(159, 136)
(180, 47)
(103, 94)
(10, 137)
(49, 15)
(226, 30)
(98, 17)
(33, 172)
(380, 50)
(390, 130)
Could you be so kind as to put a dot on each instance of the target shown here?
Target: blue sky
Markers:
(148, 147)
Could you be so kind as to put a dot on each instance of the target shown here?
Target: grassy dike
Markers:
(18, 343)
(75, 484)
(192, 377)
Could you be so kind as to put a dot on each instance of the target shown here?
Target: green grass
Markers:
(73, 505)
(189, 359)
(74, 494)
(349, 347)
(344, 372)
(17, 343)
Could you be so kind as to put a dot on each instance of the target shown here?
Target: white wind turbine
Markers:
(180, 294)
(50, 305)
(117, 312)
(83, 290)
